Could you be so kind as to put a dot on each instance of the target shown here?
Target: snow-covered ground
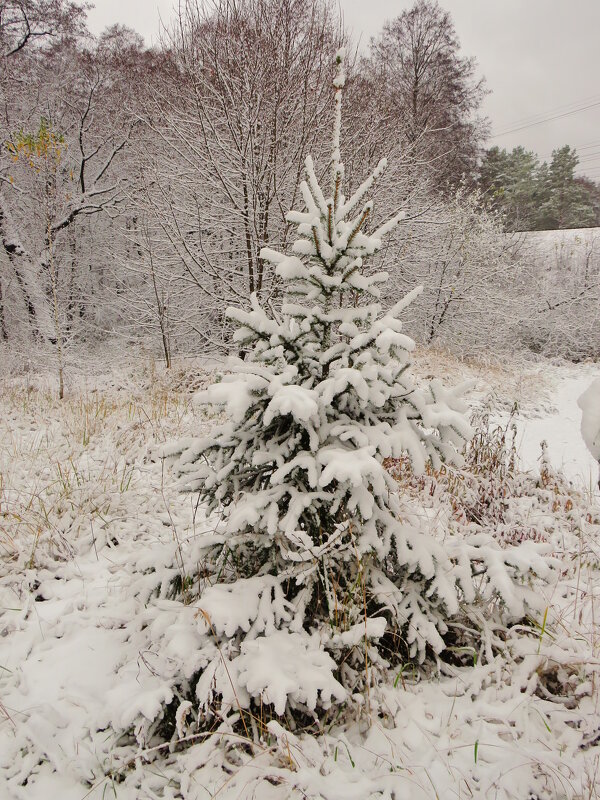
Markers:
(560, 427)
(93, 533)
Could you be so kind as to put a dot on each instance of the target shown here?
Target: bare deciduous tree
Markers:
(234, 126)
(26, 22)
(428, 92)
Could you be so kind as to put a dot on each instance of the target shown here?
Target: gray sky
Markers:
(540, 58)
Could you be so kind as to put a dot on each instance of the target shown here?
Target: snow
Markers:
(589, 403)
(573, 238)
(227, 608)
(562, 429)
(352, 465)
(284, 667)
(298, 401)
(91, 651)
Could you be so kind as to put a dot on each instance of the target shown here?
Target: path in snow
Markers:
(562, 431)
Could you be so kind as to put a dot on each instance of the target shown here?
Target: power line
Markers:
(587, 146)
(554, 110)
(547, 119)
(584, 160)
(578, 148)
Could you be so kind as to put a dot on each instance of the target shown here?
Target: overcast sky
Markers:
(540, 58)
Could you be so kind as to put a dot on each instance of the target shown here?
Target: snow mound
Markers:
(286, 667)
(589, 403)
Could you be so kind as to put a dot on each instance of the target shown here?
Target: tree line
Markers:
(538, 196)
(139, 185)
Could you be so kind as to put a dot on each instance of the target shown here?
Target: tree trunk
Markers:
(14, 251)
(71, 301)
(248, 236)
(3, 332)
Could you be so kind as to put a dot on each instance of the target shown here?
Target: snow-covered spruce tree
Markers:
(316, 576)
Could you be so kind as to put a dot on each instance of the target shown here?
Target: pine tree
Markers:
(566, 203)
(317, 576)
(510, 185)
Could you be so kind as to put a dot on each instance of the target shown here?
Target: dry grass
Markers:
(524, 383)
(65, 467)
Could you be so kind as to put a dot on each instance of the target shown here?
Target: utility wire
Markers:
(578, 148)
(547, 119)
(554, 110)
(587, 146)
